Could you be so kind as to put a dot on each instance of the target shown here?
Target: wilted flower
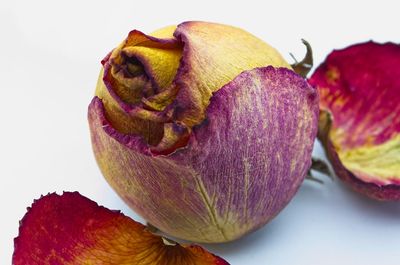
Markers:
(197, 139)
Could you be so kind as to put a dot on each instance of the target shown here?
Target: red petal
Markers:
(71, 229)
(360, 87)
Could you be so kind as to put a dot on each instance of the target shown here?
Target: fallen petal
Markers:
(360, 90)
(71, 229)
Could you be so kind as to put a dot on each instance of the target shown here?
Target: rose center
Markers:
(134, 67)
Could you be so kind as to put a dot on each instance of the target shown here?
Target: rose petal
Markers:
(71, 229)
(213, 55)
(360, 87)
(122, 93)
(240, 167)
(151, 131)
(159, 57)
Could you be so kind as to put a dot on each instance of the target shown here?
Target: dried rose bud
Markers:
(360, 116)
(71, 229)
(201, 148)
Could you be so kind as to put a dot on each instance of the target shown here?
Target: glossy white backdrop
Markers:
(50, 58)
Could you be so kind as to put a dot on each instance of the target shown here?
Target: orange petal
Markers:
(71, 229)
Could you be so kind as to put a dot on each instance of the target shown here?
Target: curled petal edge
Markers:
(389, 192)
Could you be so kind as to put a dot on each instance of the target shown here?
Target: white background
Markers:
(50, 58)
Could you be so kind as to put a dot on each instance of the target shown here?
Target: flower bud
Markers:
(202, 129)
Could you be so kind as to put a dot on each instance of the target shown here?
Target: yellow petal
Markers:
(214, 55)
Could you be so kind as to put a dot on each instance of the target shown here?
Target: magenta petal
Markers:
(241, 166)
(255, 146)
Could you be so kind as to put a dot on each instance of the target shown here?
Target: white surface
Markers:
(50, 58)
